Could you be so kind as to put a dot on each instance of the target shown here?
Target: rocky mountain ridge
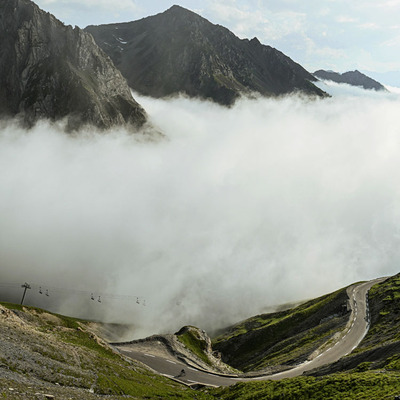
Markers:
(52, 71)
(178, 51)
(354, 78)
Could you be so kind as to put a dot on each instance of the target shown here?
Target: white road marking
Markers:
(193, 381)
(149, 355)
(192, 369)
(168, 376)
(172, 362)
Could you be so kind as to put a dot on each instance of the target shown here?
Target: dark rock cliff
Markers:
(178, 51)
(52, 71)
(354, 78)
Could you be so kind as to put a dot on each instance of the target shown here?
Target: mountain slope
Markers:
(45, 355)
(381, 346)
(346, 386)
(354, 78)
(178, 51)
(52, 71)
(278, 340)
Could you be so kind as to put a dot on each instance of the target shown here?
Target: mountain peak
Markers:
(255, 41)
(179, 51)
(180, 11)
(176, 8)
(354, 78)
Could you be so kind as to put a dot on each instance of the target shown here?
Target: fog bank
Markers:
(265, 203)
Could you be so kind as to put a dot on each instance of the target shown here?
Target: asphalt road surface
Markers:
(349, 339)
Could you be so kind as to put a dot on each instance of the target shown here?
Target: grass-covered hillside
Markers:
(380, 349)
(43, 353)
(193, 341)
(384, 300)
(342, 386)
(283, 338)
(370, 372)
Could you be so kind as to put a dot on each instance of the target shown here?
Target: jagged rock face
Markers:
(52, 71)
(354, 78)
(180, 52)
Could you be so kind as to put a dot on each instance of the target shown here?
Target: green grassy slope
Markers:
(190, 338)
(372, 371)
(283, 338)
(352, 386)
(44, 352)
(41, 352)
(380, 349)
(384, 300)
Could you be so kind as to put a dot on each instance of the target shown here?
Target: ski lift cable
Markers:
(50, 289)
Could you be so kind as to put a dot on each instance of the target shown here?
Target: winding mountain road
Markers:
(345, 343)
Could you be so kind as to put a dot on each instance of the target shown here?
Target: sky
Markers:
(333, 34)
(236, 211)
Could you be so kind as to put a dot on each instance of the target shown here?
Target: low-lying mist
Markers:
(240, 209)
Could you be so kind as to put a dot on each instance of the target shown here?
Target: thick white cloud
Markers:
(240, 209)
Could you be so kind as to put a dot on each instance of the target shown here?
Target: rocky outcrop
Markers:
(52, 71)
(190, 345)
(178, 51)
(194, 345)
(354, 78)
